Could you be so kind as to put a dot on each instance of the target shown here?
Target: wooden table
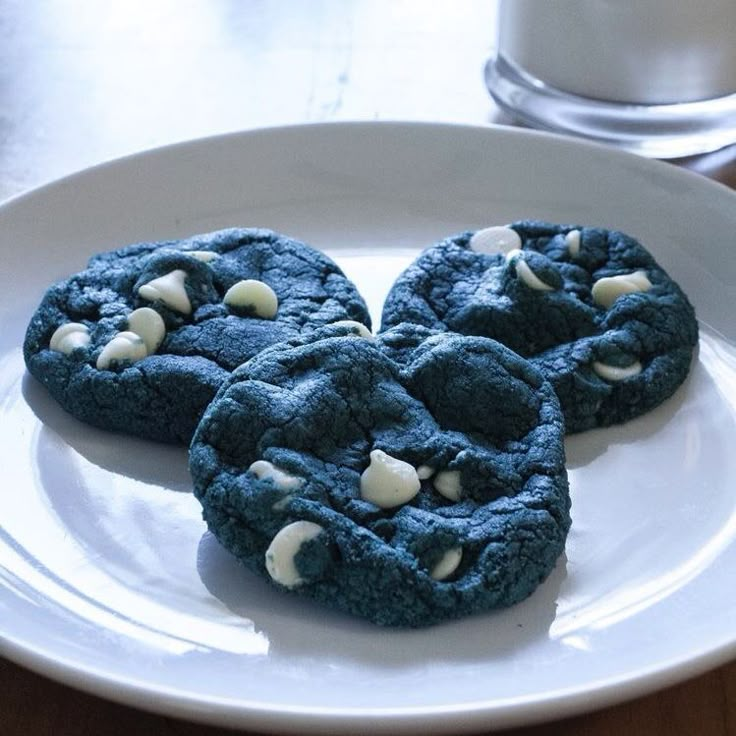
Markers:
(82, 82)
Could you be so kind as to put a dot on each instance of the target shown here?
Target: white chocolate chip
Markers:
(170, 290)
(282, 503)
(281, 480)
(447, 564)
(388, 482)
(616, 373)
(255, 294)
(202, 255)
(284, 548)
(447, 482)
(530, 278)
(148, 324)
(496, 239)
(608, 289)
(362, 330)
(68, 337)
(425, 471)
(572, 240)
(125, 346)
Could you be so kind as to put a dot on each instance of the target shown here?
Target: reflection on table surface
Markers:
(83, 82)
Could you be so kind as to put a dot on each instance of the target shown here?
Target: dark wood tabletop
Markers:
(83, 82)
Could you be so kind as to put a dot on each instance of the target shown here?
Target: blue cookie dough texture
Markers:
(409, 479)
(589, 307)
(141, 340)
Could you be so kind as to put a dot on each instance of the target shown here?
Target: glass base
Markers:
(657, 131)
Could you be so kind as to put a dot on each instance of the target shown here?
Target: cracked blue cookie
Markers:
(410, 479)
(589, 307)
(141, 340)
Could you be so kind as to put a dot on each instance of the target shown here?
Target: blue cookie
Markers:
(142, 339)
(408, 480)
(590, 308)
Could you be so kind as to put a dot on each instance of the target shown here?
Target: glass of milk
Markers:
(657, 77)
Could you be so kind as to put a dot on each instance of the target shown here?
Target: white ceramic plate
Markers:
(109, 582)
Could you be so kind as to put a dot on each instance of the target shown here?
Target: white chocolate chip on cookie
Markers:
(170, 290)
(148, 324)
(529, 277)
(360, 329)
(608, 289)
(202, 255)
(257, 295)
(496, 239)
(284, 548)
(281, 480)
(68, 337)
(447, 564)
(616, 373)
(447, 483)
(125, 346)
(425, 471)
(572, 240)
(388, 481)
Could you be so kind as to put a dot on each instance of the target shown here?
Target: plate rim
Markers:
(663, 167)
(455, 719)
